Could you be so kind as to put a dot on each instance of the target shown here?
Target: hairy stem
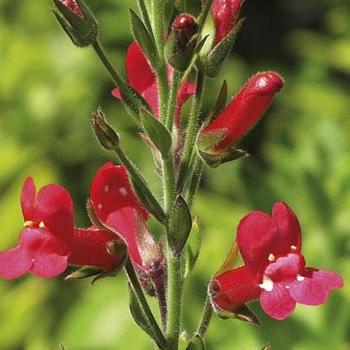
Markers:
(130, 271)
(206, 317)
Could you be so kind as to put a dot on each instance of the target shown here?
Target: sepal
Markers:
(179, 225)
(82, 30)
(84, 272)
(143, 37)
(157, 133)
(214, 160)
(216, 57)
(192, 248)
(196, 343)
(242, 314)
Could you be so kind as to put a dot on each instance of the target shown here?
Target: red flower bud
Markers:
(73, 6)
(225, 15)
(185, 25)
(242, 113)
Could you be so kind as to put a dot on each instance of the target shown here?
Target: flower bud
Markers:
(242, 113)
(182, 41)
(77, 21)
(225, 14)
(104, 133)
(73, 6)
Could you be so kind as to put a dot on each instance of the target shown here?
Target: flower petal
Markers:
(285, 268)
(233, 288)
(55, 210)
(111, 190)
(139, 71)
(150, 94)
(329, 279)
(28, 199)
(14, 263)
(89, 247)
(116, 93)
(257, 236)
(288, 226)
(277, 303)
(308, 291)
(48, 252)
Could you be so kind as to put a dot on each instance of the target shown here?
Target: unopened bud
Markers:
(182, 41)
(73, 6)
(104, 133)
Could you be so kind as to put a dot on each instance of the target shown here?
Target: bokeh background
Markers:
(300, 154)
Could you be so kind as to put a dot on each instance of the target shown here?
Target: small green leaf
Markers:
(193, 246)
(179, 225)
(143, 37)
(196, 343)
(214, 160)
(242, 314)
(217, 55)
(157, 132)
(138, 314)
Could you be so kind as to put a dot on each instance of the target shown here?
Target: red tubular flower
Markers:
(225, 14)
(118, 209)
(142, 78)
(49, 242)
(243, 112)
(73, 6)
(274, 269)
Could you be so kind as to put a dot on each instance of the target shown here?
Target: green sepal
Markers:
(206, 141)
(193, 246)
(242, 314)
(84, 272)
(104, 133)
(217, 55)
(221, 100)
(267, 346)
(196, 343)
(138, 314)
(81, 30)
(150, 203)
(157, 132)
(143, 37)
(179, 225)
(214, 160)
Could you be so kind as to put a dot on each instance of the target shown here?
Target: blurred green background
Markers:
(300, 154)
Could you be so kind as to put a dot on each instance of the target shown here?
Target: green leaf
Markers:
(143, 37)
(193, 246)
(242, 314)
(157, 132)
(138, 314)
(179, 225)
(214, 160)
(217, 55)
(196, 343)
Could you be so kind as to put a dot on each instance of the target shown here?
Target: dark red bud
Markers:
(244, 111)
(225, 14)
(73, 6)
(186, 25)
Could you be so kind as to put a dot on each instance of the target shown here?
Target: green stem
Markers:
(191, 132)
(163, 89)
(171, 110)
(158, 25)
(168, 183)
(140, 185)
(206, 317)
(106, 62)
(174, 300)
(130, 271)
(195, 181)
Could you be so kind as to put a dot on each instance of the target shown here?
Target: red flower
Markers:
(142, 78)
(73, 6)
(244, 111)
(274, 269)
(49, 242)
(225, 14)
(118, 209)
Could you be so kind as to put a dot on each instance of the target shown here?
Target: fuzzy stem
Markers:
(206, 317)
(174, 300)
(191, 132)
(158, 335)
(158, 25)
(171, 110)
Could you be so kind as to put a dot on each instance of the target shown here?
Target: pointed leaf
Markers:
(218, 54)
(214, 160)
(157, 132)
(193, 247)
(83, 272)
(230, 261)
(143, 37)
(196, 343)
(179, 225)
